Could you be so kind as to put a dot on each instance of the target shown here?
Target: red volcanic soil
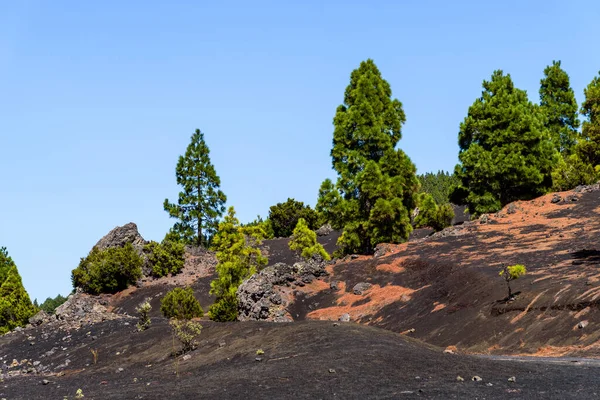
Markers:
(445, 289)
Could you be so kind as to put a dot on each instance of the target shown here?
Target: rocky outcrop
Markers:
(259, 297)
(324, 230)
(120, 236)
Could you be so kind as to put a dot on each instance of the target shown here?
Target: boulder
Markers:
(324, 230)
(120, 236)
(361, 287)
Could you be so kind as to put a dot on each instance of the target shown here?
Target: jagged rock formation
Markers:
(120, 236)
(260, 297)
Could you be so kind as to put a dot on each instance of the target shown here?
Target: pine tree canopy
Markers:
(201, 202)
(557, 101)
(505, 150)
(589, 147)
(15, 305)
(376, 184)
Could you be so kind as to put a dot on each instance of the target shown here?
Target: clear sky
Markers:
(99, 98)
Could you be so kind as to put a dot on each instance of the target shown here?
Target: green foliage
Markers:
(166, 257)
(505, 150)
(181, 304)
(571, 171)
(376, 183)
(108, 271)
(186, 332)
(304, 241)
(238, 257)
(143, 309)
(557, 102)
(432, 215)
(265, 225)
(201, 202)
(50, 304)
(438, 185)
(15, 305)
(589, 145)
(285, 216)
(512, 272)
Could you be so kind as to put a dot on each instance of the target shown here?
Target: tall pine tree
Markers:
(589, 147)
(377, 183)
(505, 150)
(15, 304)
(557, 101)
(201, 202)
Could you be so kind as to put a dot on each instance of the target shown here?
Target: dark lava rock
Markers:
(571, 198)
(556, 199)
(381, 250)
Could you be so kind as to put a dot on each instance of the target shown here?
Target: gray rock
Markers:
(186, 357)
(484, 219)
(120, 236)
(381, 250)
(555, 199)
(476, 379)
(361, 287)
(582, 324)
(39, 318)
(512, 379)
(324, 230)
(511, 209)
(335, 285)
(45, 382)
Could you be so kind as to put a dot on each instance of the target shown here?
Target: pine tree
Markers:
(15, 305)
(589, 146)
(201, 202)
(376, 183)
(557, 101)
(505, 151)
(238, 257)
(304, 241)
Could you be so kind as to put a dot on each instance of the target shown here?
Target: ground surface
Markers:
(437, 292)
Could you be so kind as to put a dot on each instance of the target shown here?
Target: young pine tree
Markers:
(557, 102)
(15, 305)
(377, 182)
(238, 258)
(201, 202)
(304, 241)
(505, 150)
(589, 146)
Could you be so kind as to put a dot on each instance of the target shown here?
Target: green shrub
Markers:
(166, 257)
(510, 273)
(186, 332)
(15, 305)
(181, 304)
(265, 226)
(570, 172)
(432, 215)
(109, 270)
(284, 217)
(143, 309)
(304, 241)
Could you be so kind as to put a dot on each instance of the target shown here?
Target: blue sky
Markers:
(98, 100)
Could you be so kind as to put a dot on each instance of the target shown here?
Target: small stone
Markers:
(460, 379)
(476, 378)
(258, 359)
(186, 357)
(582, 324)
(490, 384)
(512, 379)
(45, 382)
(222, 344)
(120, 370)
(336, 324)
(555, 199)
(345, 318)
(331, 371)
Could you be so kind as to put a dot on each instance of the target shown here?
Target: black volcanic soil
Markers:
(308, 360)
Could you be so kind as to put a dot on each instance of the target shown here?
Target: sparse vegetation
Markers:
(94, 355)
(238, 257)
(15, 305)
(510, 273)
(166, 257)
(181, 304)
(143, 309)
(284, 217)
(304, 241)
(186, 332)
(201, 202)
(108, 271)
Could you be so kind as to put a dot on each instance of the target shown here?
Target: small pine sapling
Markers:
(143, 309)
(510, 273)
(186, 332)
(304, 241)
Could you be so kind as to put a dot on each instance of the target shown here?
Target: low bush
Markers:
(432, 215)
(143, 309)
(166, 257)
(108, 271)
(186, 332)
(181, 304)
(304, 241)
